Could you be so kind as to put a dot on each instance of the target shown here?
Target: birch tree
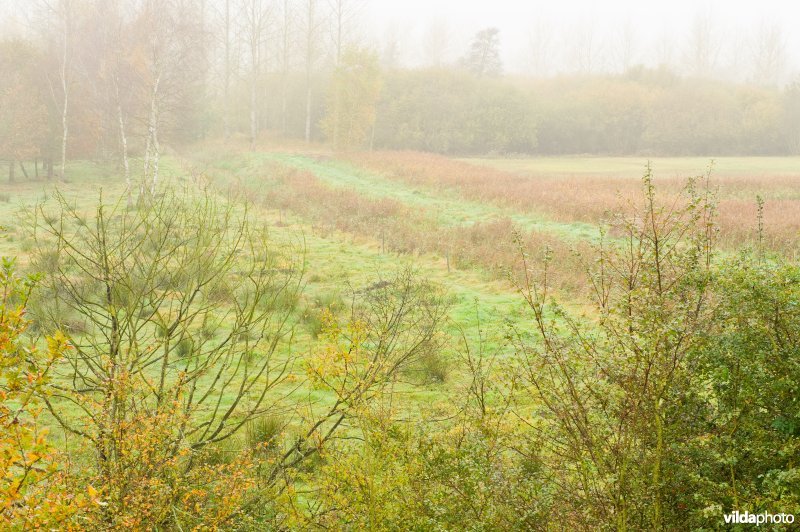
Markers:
(353, 99)
(62, 12)
(66, 14)
(286, 47)
(116, 77)
(171, 65)
(768, 51)
(311, 31)
(702, 49)
(226, 76)
(344, 15)
(256, 18)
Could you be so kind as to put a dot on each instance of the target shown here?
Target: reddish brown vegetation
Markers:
(399, 228)
(589, 199)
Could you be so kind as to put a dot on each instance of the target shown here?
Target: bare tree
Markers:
(66, 9)
(390, 55)
(166, 33)
(63, 12)
(702, 48)
(116, 75)
(393, 324)
(256, 18)
(436, 43)
(344, 14)
(311, 31)
(175, 310)
(540, 50)
(582, 48)
(286, 48)
(768, 51)
(342, 17)
(624, 48)
(663, 51)
(226, 73)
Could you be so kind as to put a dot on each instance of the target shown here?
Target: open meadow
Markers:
(344, 265)
(353, 225)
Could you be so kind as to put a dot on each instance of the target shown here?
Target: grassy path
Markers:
(336, 263)
(333, 261)
(341, 259)
(448, 207)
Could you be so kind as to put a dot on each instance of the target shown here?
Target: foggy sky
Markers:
(653, 25)
(657, 31)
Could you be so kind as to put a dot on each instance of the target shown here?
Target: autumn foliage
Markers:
(35, 489)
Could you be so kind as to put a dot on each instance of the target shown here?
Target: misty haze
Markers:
(379, 265)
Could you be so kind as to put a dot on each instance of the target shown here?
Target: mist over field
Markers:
(378, 265)
(541, 38)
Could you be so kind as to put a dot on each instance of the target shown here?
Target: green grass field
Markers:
(336, 263)
(356, 258)
(485, 307)
(338, 259)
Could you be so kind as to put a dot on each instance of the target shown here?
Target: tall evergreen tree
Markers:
(483, 57)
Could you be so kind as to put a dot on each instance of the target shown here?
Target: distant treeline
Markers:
(110, 97)
(122, 80)
(643, 112)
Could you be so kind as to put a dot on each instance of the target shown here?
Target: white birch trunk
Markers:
(226, 112)
(65, 90)
(285, 67)
(310, 28)
(253, 114)
(153, 149)
(308, 112)
(123, 140)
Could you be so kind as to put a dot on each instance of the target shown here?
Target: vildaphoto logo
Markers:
(764, 518)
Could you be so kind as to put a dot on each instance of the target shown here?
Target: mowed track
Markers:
(448, 206)
(426, 220)
(336, 264)
(585, 189)
(336, 259)
(559, 212)
(569, 201)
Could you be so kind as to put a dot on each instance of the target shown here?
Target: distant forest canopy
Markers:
(641, 112)
(94, 79)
